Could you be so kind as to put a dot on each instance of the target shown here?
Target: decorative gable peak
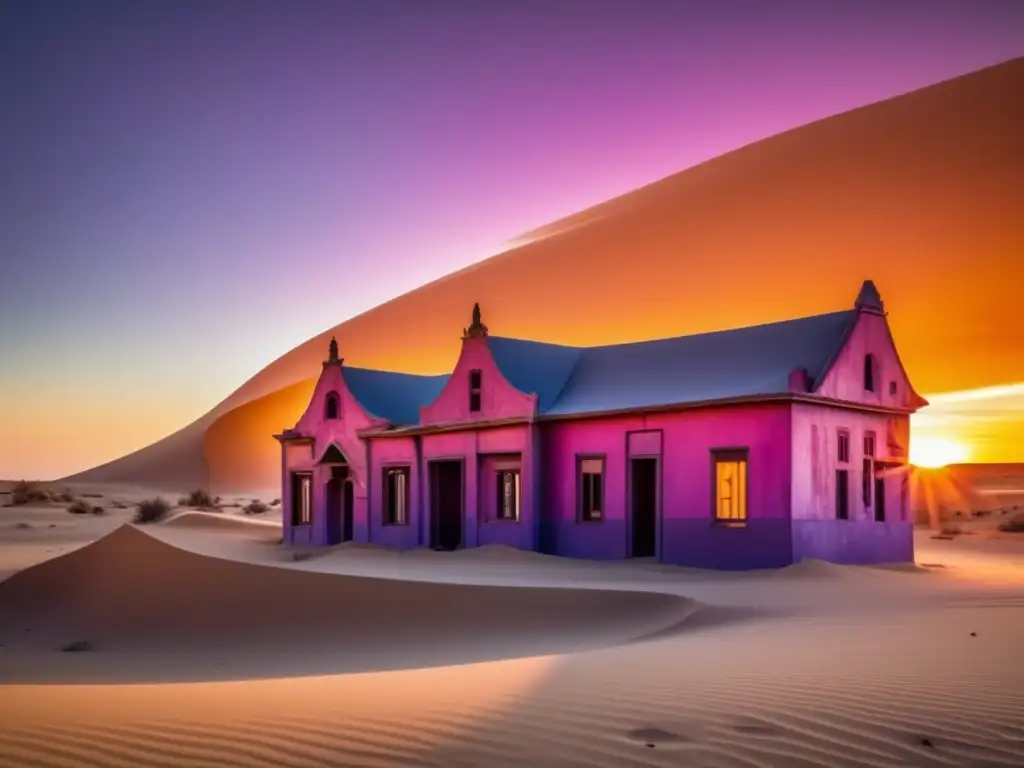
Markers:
(869, 298)
(332, 353)
(476, 329)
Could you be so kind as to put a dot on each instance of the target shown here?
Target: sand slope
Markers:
(934, 177)
(136, 599)
(866, 667)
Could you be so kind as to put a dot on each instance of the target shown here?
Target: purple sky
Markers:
(190, 188)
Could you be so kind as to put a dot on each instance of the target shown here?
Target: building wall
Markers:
(687, 533)
(342, 432)
(384, 454)
(817, 532)
(482, 452)
(499, 399)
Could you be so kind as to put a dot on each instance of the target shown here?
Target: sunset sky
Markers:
(189, 189)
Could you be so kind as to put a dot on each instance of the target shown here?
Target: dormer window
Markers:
(475, 385)
(869, 373)
(331, 406)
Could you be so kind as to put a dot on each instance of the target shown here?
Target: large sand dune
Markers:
(148, 608)
(922, 193)
(838, 666)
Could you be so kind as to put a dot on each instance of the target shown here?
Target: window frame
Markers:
(844, 509)
(729, 455)
(499, 500)
(843, 441)
(583, 516)
(870, 373)
(332, 398)
(296, 520)
(476, 390)
(387, 519)
(870, 448)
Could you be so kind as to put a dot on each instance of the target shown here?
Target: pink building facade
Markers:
(748, 448)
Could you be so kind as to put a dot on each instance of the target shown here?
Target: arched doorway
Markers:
(338, 496)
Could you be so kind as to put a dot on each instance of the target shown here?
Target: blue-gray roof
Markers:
(534, 367)
(742, 362)
(396, 397)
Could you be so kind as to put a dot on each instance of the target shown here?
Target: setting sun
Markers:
(931, 452)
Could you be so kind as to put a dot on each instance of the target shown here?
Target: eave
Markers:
(782, 397)
(285, 437)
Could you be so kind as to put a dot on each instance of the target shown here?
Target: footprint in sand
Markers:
(755, 727)
(656, 738)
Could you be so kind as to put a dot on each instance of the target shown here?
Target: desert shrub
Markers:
(951, 529)
(199, 499)
(275, 502)
(1014, 525)
(24, 492)
(151, 510)
(255, 507)
(80, 507)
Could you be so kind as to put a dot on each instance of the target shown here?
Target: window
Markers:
(730, 487)
(880, 499)
(475, 385)
(302, 498)
(892, 387)
(508, 495)
(591, 490)
(331, 406)
(868, 476)
(869, 373)
(842, 494)
(904, 496)
(396, 495)
(844, 447)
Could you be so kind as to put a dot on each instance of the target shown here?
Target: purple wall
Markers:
(687, 533)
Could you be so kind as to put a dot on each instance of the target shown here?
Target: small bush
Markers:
(1014, 525)
(275, 502)
(199, 499)
(151, 510)
(24, 492)
(80, 507)
(951, 529)
(255, 507)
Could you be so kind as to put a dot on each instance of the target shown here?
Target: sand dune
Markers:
(150, 608)
(218, 520)
(836, 667)
(922, 193)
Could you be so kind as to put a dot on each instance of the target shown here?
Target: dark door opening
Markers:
(644, 506)
(880, 499)
(339, 506)
(348, 510)
(446, 504)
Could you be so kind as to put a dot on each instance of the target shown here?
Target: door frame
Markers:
(434, 521)
(630, 515)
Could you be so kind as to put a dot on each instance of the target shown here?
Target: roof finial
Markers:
(869, 298)
(332, 352)
(477, 328)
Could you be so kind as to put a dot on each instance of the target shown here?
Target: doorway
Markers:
(339, 506)
(643, 506)
(880, 499)
(446, 504)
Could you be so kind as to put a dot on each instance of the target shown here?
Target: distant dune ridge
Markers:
(922, 192)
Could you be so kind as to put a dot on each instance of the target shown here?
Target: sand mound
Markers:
(208, 520)
(152, 611)
(504, 554)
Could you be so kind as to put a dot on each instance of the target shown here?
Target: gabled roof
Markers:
(743, 362)
(534, 367)
(396, 397)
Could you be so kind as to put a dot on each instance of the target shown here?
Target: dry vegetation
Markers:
(255, 507)
(83, 507)
(152, 510)
(200, 499)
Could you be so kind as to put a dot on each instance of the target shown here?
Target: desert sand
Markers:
(933, 176)
(211, 644)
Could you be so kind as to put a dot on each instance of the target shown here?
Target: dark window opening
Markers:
(730, 502)
(892, 387)
(591, 490)
(867, 475)
(842, 494)
(844, 447)
(869, 444)
(869, 373)
(880, 499)
(396, 496)
(509, 494)
(331, 406)
(302, 498)
(475, 386)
